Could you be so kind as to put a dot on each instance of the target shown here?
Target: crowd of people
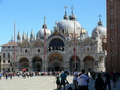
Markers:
(25, 74)
(80, 79)
(102, 79)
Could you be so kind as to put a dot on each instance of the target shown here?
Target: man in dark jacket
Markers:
(107, 80)
(99, 83)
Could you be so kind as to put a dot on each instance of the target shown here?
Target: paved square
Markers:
(39, 83)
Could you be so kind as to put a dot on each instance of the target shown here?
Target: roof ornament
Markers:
(65, 16)
(56, 23)
(72, 16)
(32, 33)
(27, 35)
(11, 39)
(99, 17)
(65, 9)
(18, 36)
(44, 20)
(100, 22)
(72, 9)
(44, 26)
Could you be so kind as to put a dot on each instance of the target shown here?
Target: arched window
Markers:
(111, 12)
(26, 51)
(112, 39)
(112, 53)
(56, 44)
(112, 26)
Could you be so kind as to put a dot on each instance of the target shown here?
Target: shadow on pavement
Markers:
(67, 86)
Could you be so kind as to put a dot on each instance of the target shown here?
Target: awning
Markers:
(24, 69)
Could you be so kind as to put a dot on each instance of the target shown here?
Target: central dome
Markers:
(69, 26)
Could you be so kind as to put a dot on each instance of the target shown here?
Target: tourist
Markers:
(93, 75)
(99, 83)
(75, 75)
(58, 81)
(118, 75)
(114, 79)
(82, 81)
(0, 75)
(11, 74)
(6, 75)
(107, 80)
(63, 77)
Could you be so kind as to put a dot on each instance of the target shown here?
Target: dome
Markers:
(65, 17)
(44, 26)
(72, 17)
(68, 26)
(40, 33)
(99, 30)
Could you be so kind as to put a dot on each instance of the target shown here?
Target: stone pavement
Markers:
(39, 83)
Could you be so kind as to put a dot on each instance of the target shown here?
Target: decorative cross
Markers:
(100, 16)
(65, 8)
(44, 19)
(72, 8)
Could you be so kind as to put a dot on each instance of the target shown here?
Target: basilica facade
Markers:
(66, 47)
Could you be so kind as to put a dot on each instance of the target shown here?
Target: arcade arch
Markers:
(37, 64)
(74, 63)
(88, 63)
(23, 64)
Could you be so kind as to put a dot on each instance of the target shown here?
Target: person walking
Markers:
(11, 74)
(58, 81)
(114, 79)
(6, 75)
(63, 77)
(0, 75)
(99, 83)
(82, 81)
(75, 75)
(107, 80)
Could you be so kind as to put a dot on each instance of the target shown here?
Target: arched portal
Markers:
(23, 64)
(55, 62)
(37, 64)
(74, 64)
(88, 63)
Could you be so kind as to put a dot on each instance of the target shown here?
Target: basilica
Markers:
(66, 47)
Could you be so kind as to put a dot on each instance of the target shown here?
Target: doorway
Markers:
(38, 67)
(57, 68)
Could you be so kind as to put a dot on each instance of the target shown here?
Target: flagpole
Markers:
(44, 46)
(74, 46)
(14, 46)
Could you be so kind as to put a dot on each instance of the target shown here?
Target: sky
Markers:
(29, 15)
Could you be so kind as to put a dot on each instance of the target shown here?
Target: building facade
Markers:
(113, 35)
(67, 47)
